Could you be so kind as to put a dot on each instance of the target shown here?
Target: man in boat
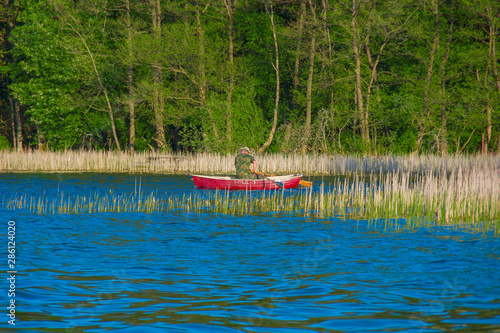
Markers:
(243, 163)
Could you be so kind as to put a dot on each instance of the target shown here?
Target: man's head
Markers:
(244, 150)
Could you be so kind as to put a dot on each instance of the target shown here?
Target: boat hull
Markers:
(228, 183)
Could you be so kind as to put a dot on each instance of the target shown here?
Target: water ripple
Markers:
(187, 272)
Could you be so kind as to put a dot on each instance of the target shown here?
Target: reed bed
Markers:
(463, 198)
(214, 163)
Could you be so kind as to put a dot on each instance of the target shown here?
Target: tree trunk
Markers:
(19, 128)
(492, 15)
(307, 125)
(158, 101)
(488, 128)
(498, 143)
(325, 5)
(13, 124)
(493, 62)
(443, 139)
(230, 4)
(99, 79)
(425, 107)
(373, 67)
(111, 117)
(296, 70)
(131, 99)
(360, 114)
(296, 66)
(312, 55)
(202, 72)
(373, 63)
(270, 12)
(41, 139)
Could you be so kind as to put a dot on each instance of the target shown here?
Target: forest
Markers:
(288, 76)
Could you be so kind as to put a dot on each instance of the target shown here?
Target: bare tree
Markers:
(230, 7)
(130, 77)
(443, 137)
(18, 128)
(276, 65)
(366, 21)
(202, 84)
(72, 23)
(490, 10)
(310, 74)
(296, 69)
(422, 123)
(360, 114)
(158, 96)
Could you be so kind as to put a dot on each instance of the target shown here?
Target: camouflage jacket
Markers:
(242, 164)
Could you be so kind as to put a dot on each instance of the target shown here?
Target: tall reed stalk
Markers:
(214, 163)
(455, 190)
(466, 199)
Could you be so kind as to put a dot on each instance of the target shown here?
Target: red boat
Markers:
(230, 183)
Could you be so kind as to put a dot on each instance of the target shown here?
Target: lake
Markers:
(203, 272)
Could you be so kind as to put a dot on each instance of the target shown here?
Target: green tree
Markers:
(44, 78)
(88, 39)
(10, 106)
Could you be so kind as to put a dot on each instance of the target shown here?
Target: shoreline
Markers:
(215, 163)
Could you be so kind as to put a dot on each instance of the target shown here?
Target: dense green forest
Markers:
(326, 76)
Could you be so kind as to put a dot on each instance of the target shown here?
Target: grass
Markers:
(461, 191)
(462, 198)
(214, 163)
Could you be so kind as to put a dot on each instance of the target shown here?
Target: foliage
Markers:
(45, 79)
(428, 74)
(4, 143)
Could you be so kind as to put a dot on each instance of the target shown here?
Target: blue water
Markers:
(191, 272)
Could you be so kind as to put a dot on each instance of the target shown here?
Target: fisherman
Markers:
(242, 163)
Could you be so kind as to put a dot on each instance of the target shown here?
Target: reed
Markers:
(460, 191)
(96, 203)
(214, 163)
(467, 199)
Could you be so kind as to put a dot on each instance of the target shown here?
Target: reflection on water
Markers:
(188, 272)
